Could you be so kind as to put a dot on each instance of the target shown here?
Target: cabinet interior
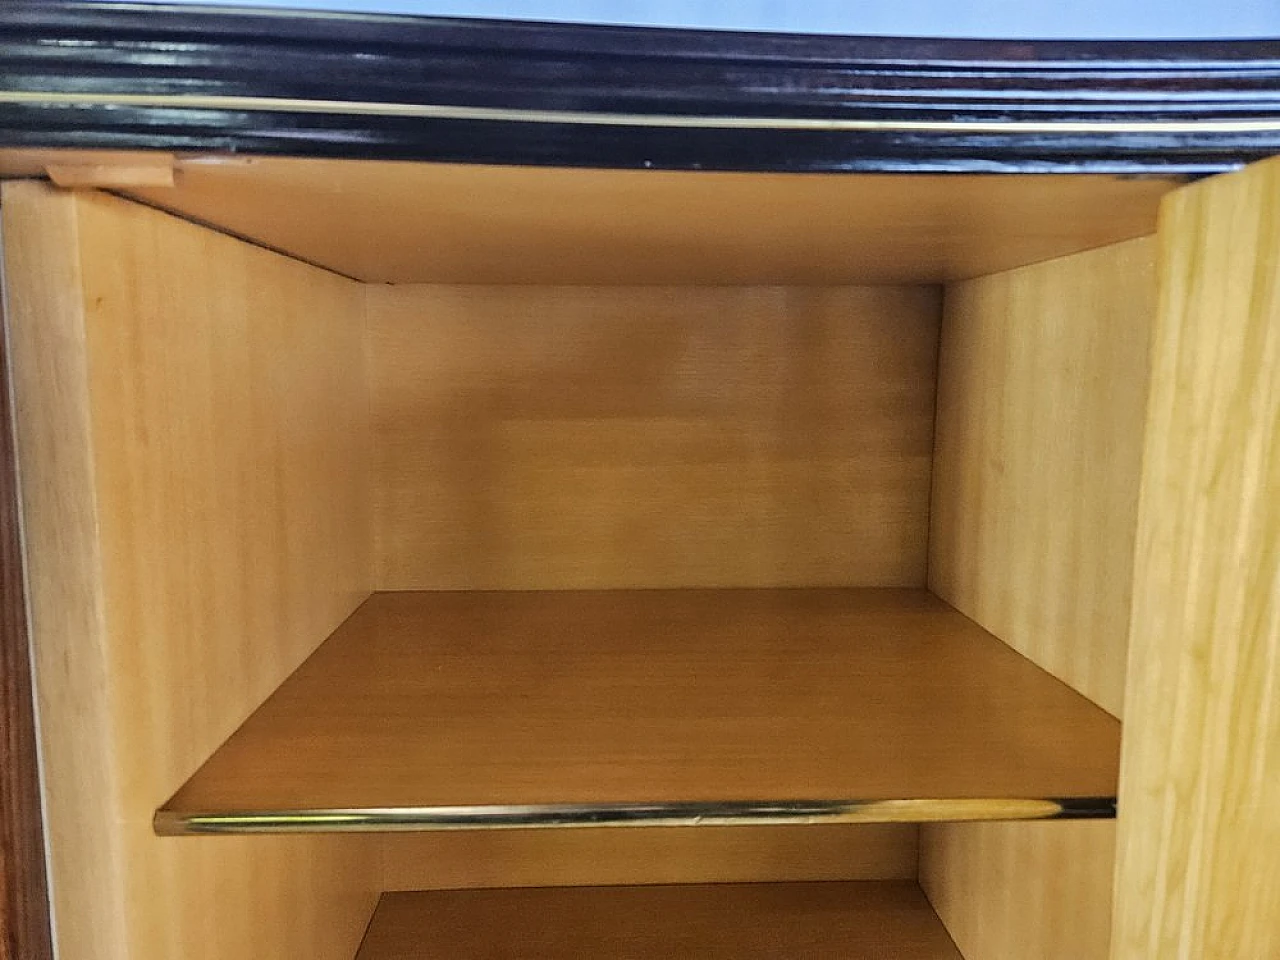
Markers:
(792, 515)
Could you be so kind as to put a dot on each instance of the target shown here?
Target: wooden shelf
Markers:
(773, 921)
(447, 710)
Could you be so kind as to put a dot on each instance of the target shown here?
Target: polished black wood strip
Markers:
(1121, 88)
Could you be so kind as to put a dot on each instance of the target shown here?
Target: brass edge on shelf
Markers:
(491, 817)
(600, 118)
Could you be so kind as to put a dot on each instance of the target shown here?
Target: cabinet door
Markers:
(1199, 844)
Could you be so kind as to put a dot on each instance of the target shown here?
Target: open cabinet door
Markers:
(1199, 834)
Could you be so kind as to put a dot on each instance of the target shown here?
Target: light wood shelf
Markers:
(775, 921)
(475, 709)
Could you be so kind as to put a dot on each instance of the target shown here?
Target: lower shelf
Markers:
(468, 710)
(870, 920)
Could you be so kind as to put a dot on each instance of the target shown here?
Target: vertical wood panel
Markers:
(193, 444)
(1041, 394)
(1017, 891)
(1041, 406)
(24, 903)
(610, 856)
(60, 512)
(1199, 866)
(575, 437)
(878, 920)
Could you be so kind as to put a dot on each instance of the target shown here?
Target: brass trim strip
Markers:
(511, 115)
(490, 817)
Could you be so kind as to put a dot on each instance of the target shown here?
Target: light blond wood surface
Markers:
(442, 223)
(34, 162)
(1199, 848)
(822, 921)
(544, 858)
(192, 447)
(651, 437)
(1042, 391)
(480, 699)
(70, 656)
(154, 172)
(1016, 891)
(1041, 404)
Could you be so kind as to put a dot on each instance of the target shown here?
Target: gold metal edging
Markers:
(590, 118)
(491, 817)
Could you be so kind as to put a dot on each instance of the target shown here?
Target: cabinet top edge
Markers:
(394, 87)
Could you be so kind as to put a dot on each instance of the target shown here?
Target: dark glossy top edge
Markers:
(157, 76)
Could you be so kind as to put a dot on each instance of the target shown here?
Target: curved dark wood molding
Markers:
(87, 74)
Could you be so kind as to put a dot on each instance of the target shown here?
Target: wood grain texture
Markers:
(33, 163)
(1199, 870)
(1041, 405)
(823, 921)
(156, 170)
(544, 858)
(383, 222)
(24, 899)
(464, 699)
(191, 444)
(651, 437)
(1013, 891)
(45, 307)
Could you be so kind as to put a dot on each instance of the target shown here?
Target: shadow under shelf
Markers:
(861, 920)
